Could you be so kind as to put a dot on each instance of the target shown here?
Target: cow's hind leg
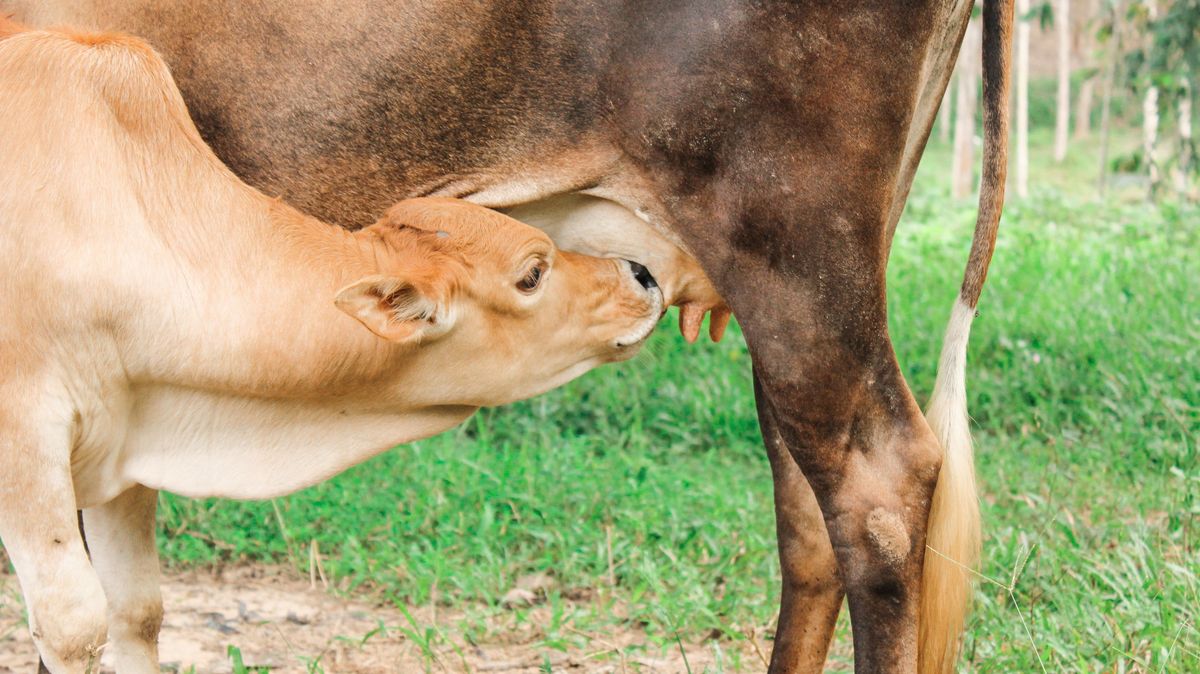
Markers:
(816, 326)
(40, 530)
(811, 596)
(858, 436)
(120, 535)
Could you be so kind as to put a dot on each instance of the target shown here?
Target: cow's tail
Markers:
(954, 524)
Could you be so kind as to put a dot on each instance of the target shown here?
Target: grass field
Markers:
(644, 486)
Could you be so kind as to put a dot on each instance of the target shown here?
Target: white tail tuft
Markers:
(954, 524)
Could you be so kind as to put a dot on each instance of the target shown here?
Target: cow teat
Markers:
(597, 226)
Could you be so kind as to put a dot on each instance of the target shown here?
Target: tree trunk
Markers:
(1150, 137)
(1150, 123)
(1083, 50)
(1062, 21)
(962, 168)
(1184, 170)
(1083, 109)
(1111, 73)
(1023, 98)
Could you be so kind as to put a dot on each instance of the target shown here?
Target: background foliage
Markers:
(1083, 379)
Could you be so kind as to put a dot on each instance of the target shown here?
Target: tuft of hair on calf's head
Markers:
(417, 254)
(464, 228)
(8, 26)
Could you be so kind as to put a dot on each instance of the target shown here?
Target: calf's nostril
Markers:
(642, 275)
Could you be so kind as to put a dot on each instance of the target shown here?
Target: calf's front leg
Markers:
(120, 535)
(40, 531)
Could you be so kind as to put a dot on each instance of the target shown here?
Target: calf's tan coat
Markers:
(167, 327)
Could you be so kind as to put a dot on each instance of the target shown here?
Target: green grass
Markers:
(1084, 382)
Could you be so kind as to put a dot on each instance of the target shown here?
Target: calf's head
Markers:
(493, 305)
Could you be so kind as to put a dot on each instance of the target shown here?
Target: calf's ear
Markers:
(395, 309)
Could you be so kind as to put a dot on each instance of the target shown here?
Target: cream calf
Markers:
(167, 327)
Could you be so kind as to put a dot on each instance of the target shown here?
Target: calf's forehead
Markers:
(479, 234)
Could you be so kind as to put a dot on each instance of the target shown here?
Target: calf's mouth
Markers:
(641, 331)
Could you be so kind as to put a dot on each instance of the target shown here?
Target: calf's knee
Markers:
(139, 623)
(133, 636)
(69, 626)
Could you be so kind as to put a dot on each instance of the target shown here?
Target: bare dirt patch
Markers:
(282, 622)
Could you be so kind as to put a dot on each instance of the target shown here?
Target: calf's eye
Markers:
(532, 278)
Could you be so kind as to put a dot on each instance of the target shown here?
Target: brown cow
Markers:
(773, 140)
